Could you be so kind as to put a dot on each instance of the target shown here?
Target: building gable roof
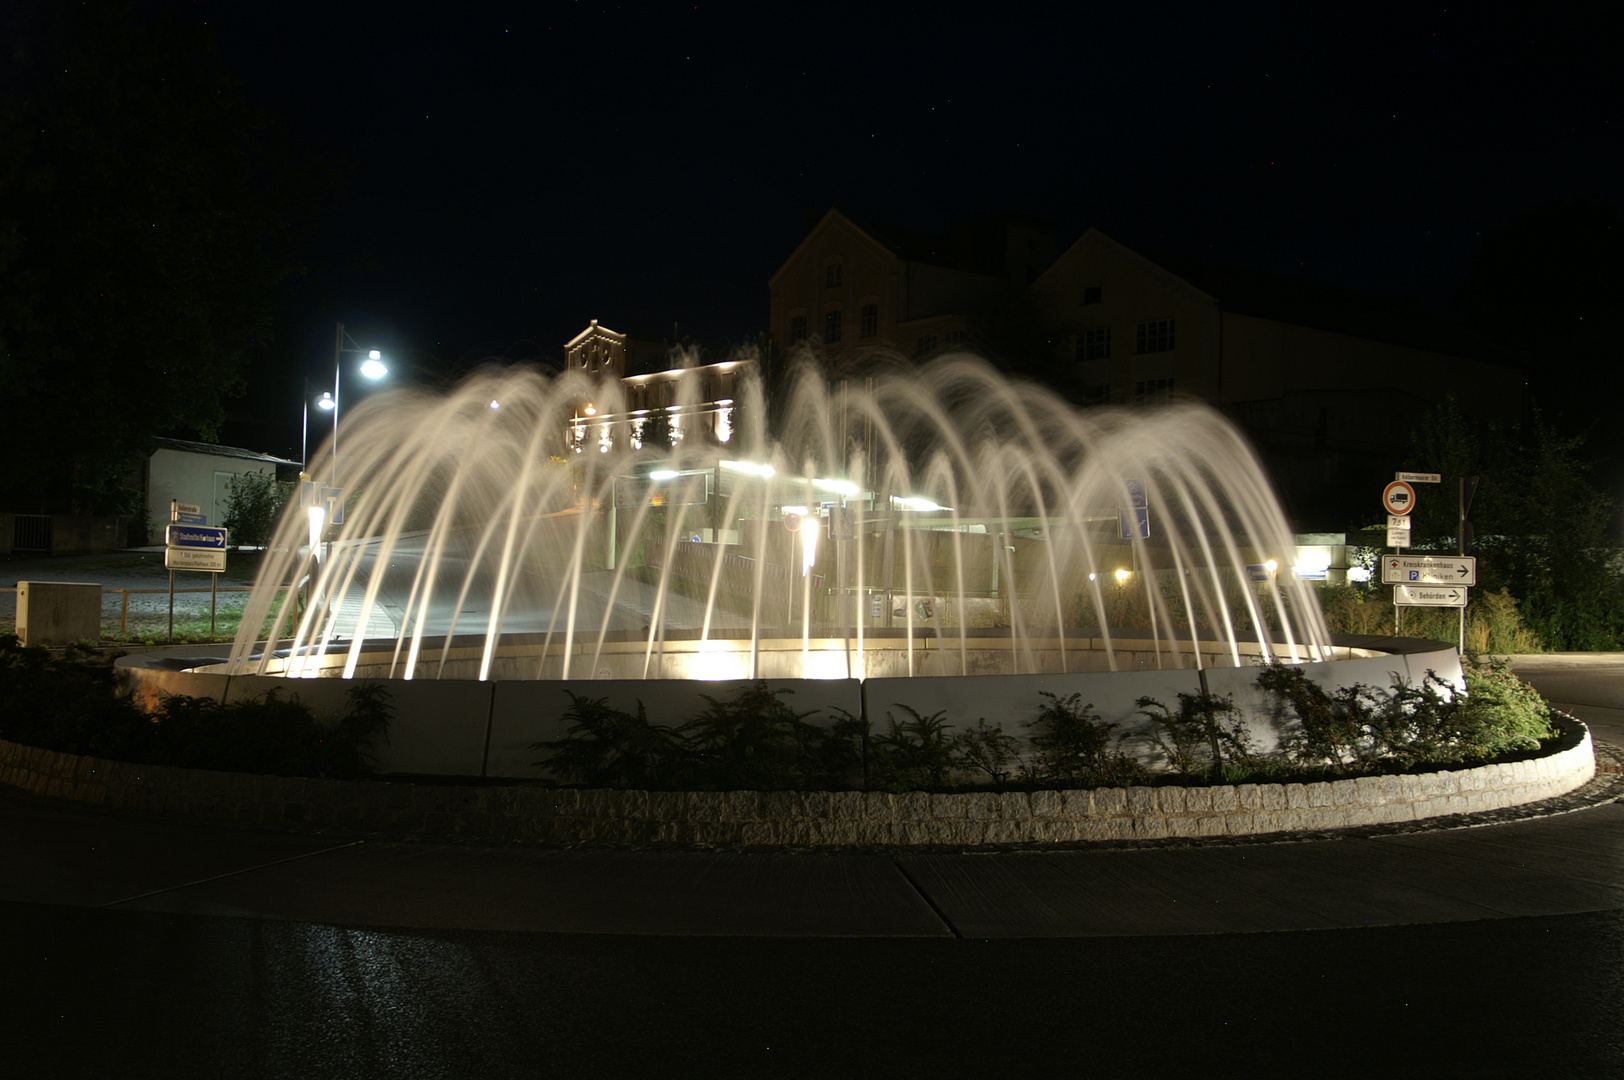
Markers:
(1279, 298)
(187, 446)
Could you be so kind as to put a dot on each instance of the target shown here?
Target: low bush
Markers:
(72, 703)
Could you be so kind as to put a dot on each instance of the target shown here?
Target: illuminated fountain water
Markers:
(941, 521)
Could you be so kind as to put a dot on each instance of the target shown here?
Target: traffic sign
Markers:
(185, 558)
(1429, 570)
(206, 537)
(1429, 596)
(1398, 497)
(1420, 477)
(1397, 537)
(183, 518)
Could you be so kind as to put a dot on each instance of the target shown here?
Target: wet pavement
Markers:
(144, 947)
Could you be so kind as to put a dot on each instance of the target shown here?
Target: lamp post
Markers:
(372, 367)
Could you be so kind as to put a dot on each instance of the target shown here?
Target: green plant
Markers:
(755, 741)
(253, 506)
(986, 749)
(1073, 747)
(1409, 725)
(270, 734)
(1205, 735)
(73, 703)
(608, 747)
(915, 753)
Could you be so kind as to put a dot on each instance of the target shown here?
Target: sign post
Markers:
(194, 547)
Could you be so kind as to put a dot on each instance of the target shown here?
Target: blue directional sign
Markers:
(206, 537)
(183, 518)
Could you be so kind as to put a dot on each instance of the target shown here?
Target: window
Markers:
(1094, 344)
(831, 276)
(1153, 392)
(1099, 394)
(925, 345)
(797, 329)
(1091, 295)
(831, 327)
(871, 320)
(1155, 337)
(956, 337)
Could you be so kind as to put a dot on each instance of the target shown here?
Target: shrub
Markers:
(607, 747)
(1410, 724)
(915, 753)
(271, 735)
(253, 506)
(987, 750)
(755, 741)
(752, 741)
(1073, 748)
(73, 704)
(1197, 739)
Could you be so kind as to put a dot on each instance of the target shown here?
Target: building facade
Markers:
(647, 393)
(852, 286)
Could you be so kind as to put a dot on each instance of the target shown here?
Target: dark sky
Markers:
(522, 168)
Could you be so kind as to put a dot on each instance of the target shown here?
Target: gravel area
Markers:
(135, 569)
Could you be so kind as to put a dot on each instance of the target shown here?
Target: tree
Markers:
(1543, 529)
(253, 508)
(148, 222)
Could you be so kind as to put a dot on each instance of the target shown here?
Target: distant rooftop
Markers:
(1326, 307)
(188, 446)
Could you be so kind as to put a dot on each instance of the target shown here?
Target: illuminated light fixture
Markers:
(1091, 575)
(326, 402)
(590, 411)
(664, 474)
(1312, 564)
(915, 503)
(1358, 573)
(372, 367)
(318, 517)
(1271, 566)
(750, 467)
(1123, 575)
(495, 404)
(794, 510)
(839, 487)
(809, 544)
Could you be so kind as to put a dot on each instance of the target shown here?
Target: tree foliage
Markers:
(253, 507)
(1543, 528)
(148, 221)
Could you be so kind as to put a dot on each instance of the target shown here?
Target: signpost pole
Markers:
(214, 591)
(171, 607)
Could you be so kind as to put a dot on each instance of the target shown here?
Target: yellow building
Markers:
(644, 382)
(849, 287)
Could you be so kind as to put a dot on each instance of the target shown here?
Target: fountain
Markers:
(914, 522)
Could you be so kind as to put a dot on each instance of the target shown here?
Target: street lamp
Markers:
(372, 367)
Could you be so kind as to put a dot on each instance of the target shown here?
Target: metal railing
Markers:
(125, 594)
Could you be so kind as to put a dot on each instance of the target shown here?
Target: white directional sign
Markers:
(1420, 477)
(178, 558)
(1429, 596)
(1429, 570)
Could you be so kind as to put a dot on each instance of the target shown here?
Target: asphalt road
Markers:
(102, 984)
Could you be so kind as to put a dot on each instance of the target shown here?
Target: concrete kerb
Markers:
(802, 819)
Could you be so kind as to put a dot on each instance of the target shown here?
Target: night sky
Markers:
(522, 168)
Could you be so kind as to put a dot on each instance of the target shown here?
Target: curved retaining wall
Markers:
(465, 727)
(799, 818)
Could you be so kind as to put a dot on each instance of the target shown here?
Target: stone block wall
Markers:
(800, 819)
